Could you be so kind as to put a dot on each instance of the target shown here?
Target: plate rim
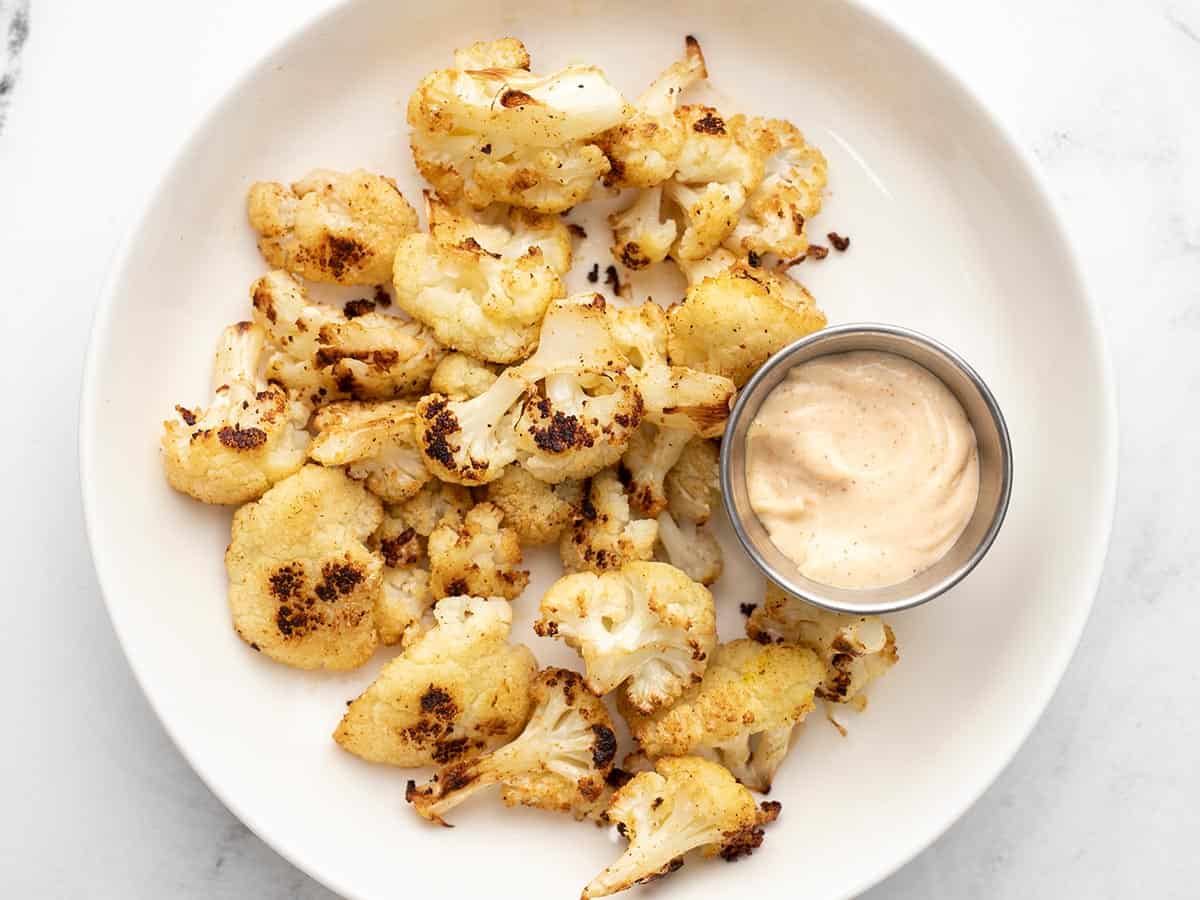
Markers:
(887, 20)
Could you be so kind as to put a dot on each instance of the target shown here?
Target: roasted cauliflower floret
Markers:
(643, 151)
(331, 226)
(559, 762)
(564, 413)
(646, 625)
(375, 442)
(604, 534)
(249, 437)
(508, 233)
(774, 217)
(404, 597)
(742, 713)
(503, 53)
(685, 804)
(476, 555)
(690, 548)
(709, 212)
(855, 650)
(500, 134)
(538, 512)
(302, 583)
(457, 691)
(642, 235)
(730, 323)
(461, 377)
(652, 453)
(481, 289)
(693, 484)
(425, 511)
(325, 355)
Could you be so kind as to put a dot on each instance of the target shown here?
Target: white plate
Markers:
(952, 235)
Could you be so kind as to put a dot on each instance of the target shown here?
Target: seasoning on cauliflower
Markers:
(643, 151)
(481, 289)
(425, 511)
(741, 714)
(302, 583)
(855, 650)
(686, 803)
(538, 512)
(774, 217)
(500, 134)
(641, 234)
(375, 442)
(459, 690)
(507, 232)
(404, 597)
(690, 548)
(730, 323)
(325, 355)
(559, 762)
(331, 226)
(461, 377)
(646, 625)
(604, 534)
(475, 555)
(693, 483)
(569, 427)
(249, 437)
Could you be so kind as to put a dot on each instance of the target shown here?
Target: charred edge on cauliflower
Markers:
(402, 550)
(709, 123)
(299, 615)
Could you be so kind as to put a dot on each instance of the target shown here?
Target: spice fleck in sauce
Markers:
(863, 468)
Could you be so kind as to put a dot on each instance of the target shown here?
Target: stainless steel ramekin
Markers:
(995, 468)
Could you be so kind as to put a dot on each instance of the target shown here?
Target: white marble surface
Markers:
(1102, 800)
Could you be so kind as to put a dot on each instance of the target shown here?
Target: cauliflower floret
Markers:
(641, 234)
(302, 583)
(569, 429)
(652, 453)
(603, 534)
(774, 217)
(425, 511)
(559, 762)
(375, 442)
(709, 212)
(457, 691)
(405, 596)
(693, 484)
(475, 555)
(741, 715)
(325, 355)
(503, 135)
(507, 232)
(461, 377)
(686, 803)
(482, 289)
(332, 226)
(730, 323)
(855, 650)
(690, 548)
(644, 150)
(503, 53)
(646, 625)
(538, 512)
(673, 396)
(250, 436)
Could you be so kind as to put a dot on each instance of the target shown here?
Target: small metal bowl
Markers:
(995, 469)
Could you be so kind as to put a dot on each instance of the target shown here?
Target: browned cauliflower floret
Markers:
(461, 377)
(741, 715)
(604, 534)
(693, 484)
(730, 323)
(250, 436)
(482, 289)
(325, 355)
(647, 626)
(502, 53)
(457, 691)
(775, 214)
(475, 555)
(685, 804)
(500, 134)
(643, 151)
(642, 235)
(405, 595)
(689, 547)
(538, 512)
(652, 453)
(302, 583)
(425, 511)
(332, 226)
(566, 412)
(375, 442)
(855, 650)
(559, 762)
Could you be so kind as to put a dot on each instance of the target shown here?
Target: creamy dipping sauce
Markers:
(863, 468)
